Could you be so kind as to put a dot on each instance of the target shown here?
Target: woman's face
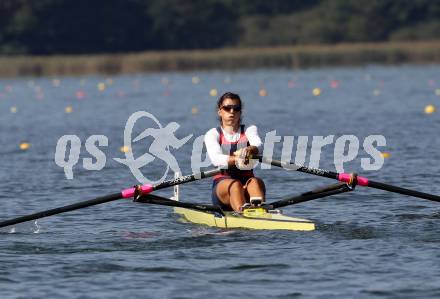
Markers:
(230, 112)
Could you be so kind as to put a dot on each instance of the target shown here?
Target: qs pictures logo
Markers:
(162, 140)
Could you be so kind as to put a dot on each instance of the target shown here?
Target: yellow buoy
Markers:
(25, 146)
(213, 92)
(316, 91)
(101, 86)
(262, 92)
(430, 109)
(195, 80)
(385, 154)
(194, 110)
(13, 109)
(124, 149)
(68, 109)
(437, 92)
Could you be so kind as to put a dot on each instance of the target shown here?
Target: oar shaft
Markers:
(404, 191)
(68, 208)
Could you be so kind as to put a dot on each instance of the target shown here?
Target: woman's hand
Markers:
(246, 153)
(243, 155)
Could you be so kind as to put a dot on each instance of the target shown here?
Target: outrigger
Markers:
(263, 216)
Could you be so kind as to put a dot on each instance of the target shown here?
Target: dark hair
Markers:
(228, 95)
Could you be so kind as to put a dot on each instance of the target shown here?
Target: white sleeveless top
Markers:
(215, 153)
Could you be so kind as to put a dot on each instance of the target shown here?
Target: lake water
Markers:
(368, 243)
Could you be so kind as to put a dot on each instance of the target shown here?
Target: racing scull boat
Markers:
(251, 218)
(257, 218)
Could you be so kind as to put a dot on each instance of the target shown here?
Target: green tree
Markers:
(104, 26)
(270, 8)
(194, 24)
(81, 26)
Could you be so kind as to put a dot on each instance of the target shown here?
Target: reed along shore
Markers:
(295, 57)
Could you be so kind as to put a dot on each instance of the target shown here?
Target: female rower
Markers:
(230, 146)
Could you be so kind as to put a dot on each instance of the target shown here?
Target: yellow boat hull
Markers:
(257, 220)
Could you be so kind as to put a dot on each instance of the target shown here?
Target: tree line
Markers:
(47, 27)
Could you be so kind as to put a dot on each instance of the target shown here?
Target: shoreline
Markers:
(292, 57)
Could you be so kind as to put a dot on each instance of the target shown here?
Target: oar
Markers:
(126, 193)
(163, 201)
(350, 179)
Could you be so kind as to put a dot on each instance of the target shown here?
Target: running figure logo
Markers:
(163, 140)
